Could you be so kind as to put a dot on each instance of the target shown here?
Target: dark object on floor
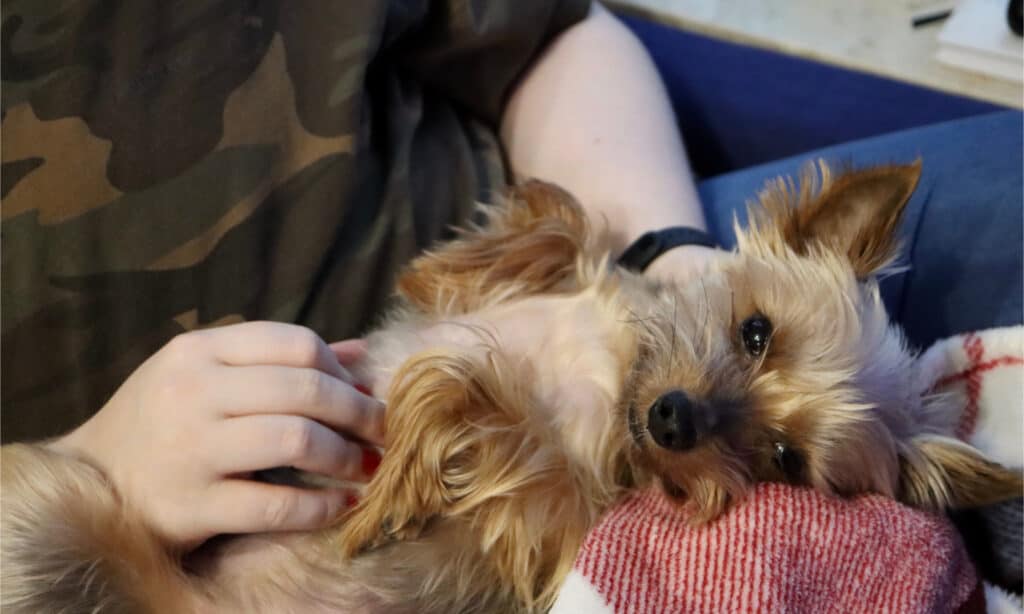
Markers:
(1015, 16)
(925, 19)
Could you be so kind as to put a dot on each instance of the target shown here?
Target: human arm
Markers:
(592, 116)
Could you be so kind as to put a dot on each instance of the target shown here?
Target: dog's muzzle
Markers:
(678, 423)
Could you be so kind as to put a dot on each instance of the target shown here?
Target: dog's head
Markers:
(782, 365)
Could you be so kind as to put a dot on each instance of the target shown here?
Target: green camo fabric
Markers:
(175, 165)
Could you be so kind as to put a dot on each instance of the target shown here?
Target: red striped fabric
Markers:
(783, 549)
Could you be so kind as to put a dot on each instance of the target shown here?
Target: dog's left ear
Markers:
(943, 473)
(856, 213)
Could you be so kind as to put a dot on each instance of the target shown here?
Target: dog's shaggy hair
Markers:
(521, 372)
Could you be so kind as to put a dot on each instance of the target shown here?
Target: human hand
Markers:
(685, 263)
(183, 434)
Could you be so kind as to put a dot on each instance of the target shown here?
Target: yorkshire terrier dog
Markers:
(529, 383)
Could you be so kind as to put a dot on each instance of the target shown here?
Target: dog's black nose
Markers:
(675, 422)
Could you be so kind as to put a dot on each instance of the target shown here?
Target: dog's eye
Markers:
(755, 332)
(788, 460)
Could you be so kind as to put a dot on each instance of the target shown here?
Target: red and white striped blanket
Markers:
(788, 549)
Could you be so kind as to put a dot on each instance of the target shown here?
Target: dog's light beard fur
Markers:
(518, 375)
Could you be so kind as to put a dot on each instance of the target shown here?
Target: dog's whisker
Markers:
(706, 315)
(675, 326)
(646, 323)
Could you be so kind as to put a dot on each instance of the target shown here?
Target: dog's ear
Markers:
(425, 432)
(529, 244)
(856, 213)
(464, 451)
(943, 473)
(457, 436)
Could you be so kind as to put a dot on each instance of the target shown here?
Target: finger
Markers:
(244, 506)
(273, 343)
(349, 351)
(253, 443)
(310, 393)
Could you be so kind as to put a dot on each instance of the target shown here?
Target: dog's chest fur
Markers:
(573, 350)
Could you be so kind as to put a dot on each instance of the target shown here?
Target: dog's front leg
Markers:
(69, 543)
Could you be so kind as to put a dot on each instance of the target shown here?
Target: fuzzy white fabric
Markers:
(997, 601)
(984, 372)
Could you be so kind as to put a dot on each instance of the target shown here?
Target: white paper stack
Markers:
(977, 38)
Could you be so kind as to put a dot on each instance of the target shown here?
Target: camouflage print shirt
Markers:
(174, 165)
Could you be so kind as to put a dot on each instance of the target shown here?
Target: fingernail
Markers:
(363, 389)
(351, 500)
(371, 460)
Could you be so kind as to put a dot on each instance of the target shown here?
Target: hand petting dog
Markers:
(183, 434)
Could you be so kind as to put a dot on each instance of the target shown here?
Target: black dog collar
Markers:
(642, 252)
